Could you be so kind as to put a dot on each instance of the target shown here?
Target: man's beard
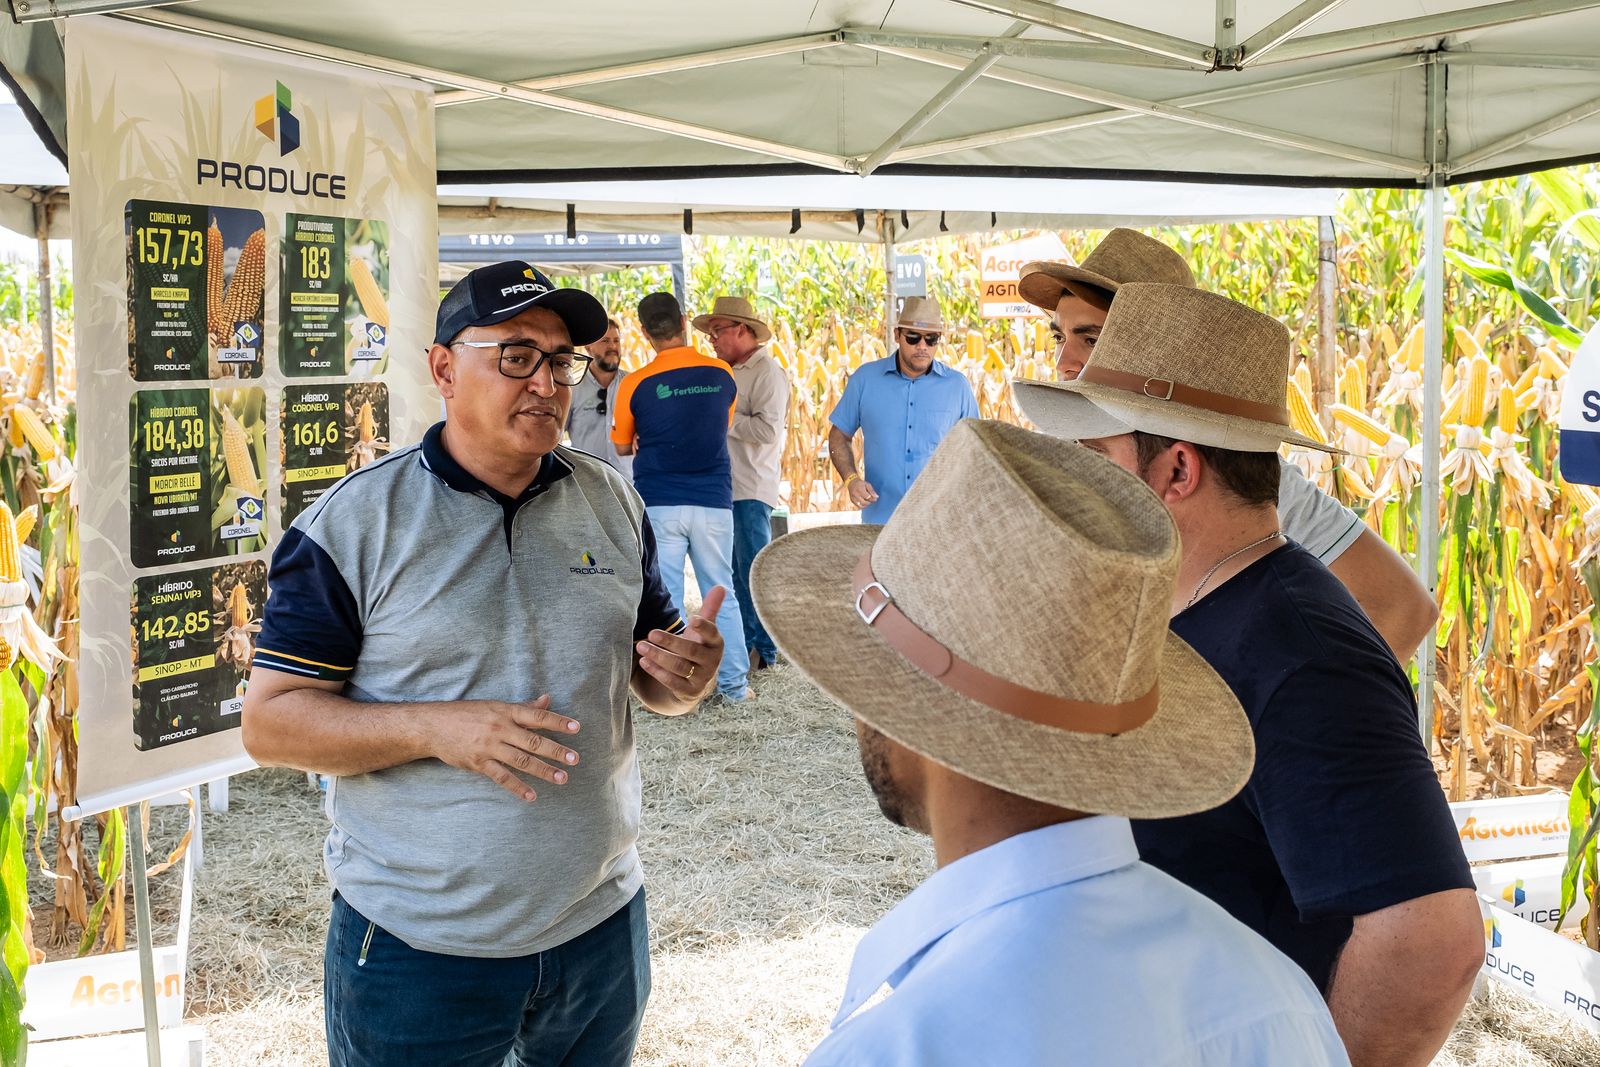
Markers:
(603, 367)
(875, 764)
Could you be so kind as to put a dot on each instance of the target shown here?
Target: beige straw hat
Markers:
(738, 309)
(1031, 650)
(1179, 362)
(1124, 256)
(921, 313)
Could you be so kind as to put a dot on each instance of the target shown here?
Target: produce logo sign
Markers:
(272, 112)
(1580, 415)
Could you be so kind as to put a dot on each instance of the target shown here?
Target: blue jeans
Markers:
(578, 1004)
(705, 535)
(752, 531)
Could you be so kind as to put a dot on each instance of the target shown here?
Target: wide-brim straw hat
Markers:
(738, 309)
(1181, 363)
(1123, 256)
(1032, 582)
(921, 313)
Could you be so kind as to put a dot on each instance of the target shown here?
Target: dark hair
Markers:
(615, 325)
(1250, 476)
(661, 317)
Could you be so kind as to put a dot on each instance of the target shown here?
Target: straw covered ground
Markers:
(765, 860)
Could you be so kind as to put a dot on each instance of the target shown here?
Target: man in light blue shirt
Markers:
(904, 405)
(1022, 749)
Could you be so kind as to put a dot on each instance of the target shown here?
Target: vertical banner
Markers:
(1579, 420)
(252, 232)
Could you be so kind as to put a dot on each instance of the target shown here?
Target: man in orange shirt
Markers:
(672, 416)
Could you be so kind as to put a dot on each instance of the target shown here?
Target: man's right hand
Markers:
(492, 737)
(861, 493)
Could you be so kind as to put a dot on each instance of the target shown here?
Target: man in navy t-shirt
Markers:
(672, 417)
(1340, 850)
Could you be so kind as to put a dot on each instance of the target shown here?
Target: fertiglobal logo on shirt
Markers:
(590, 566)
(666, 392)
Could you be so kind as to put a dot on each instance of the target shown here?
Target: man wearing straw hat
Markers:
(904, 405)
(1077, 297)
(755, 446)
(1023, 750)
(1340, 850)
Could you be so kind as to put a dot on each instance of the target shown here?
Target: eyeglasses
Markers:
(519, 359)
(600, 408)
(914, 338)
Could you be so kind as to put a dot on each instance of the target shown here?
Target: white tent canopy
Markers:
(1323, 92)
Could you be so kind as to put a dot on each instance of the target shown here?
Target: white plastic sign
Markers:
(1512, 827)
(99, 994)
(1528, 889)
(1580, 415)
(1000, 268)
(1555, 971)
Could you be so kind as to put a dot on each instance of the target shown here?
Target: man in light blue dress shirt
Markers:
(1019, 716)
(904, 405)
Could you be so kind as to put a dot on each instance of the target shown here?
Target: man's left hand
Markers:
(687, 663)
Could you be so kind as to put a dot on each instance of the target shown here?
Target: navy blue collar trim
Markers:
(444, 466)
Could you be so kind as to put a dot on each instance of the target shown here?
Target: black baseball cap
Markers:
(504, 290)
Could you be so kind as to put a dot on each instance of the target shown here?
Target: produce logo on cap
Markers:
(528, 273)
(1514, 895)
(275, 121)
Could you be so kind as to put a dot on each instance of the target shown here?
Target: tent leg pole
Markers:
(141, 917)
(886, 229)
(1327, 324)
(42, 212)
(1432, 378)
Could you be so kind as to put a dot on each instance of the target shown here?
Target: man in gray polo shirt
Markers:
(434, 619)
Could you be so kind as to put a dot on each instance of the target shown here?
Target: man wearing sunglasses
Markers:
(903, 406)
(443, 623)
(589, 421)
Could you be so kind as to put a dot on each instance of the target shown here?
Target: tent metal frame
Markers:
(1087, 39)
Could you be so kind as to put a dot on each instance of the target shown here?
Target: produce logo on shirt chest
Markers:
(589, 566)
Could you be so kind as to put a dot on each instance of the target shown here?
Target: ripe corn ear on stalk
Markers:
(214, 294)
(1453, 405)
(25, 521)
(1508, 409)
(1301, 416)
(1467, 344)
(1475, 406)
(1362, 423)
(366, 428)
(19, 633)
(1553, 367)
(373, 305)
(236, 452)
(249, 277)
(1302, 377)
(1355, 384)
(34, 432)
(1411, 352)
(36, 376)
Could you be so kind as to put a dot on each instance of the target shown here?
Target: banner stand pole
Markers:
(141, 917)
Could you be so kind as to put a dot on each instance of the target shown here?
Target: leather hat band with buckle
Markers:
(877, 609)
(1164, 389)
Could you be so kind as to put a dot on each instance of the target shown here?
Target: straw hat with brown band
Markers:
(1123, 256)
(1179, 362)
(738, 309)
(1035, 656)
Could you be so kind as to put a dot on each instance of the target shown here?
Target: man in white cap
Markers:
(1077, 298)
(1019, 716)
(755, 446)
(904, 405)
(1340, 850)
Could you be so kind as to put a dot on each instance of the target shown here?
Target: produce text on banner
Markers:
(253, 234)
